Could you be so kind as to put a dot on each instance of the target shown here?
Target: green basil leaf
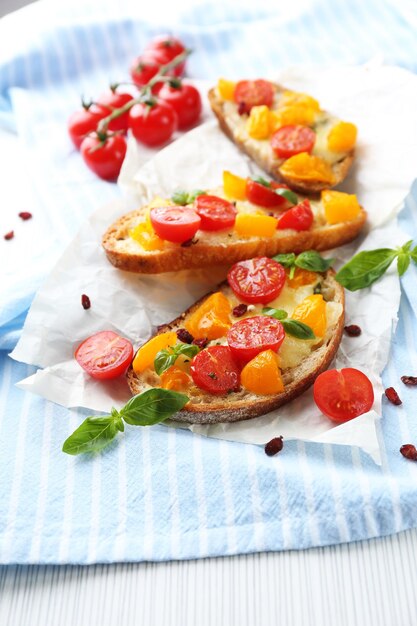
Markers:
(163, 360)
(262, 181)
(153, 406)
(406, 247)
(180, 197)
(365, 268)
(313, 261)
(298, 329)
(279, 314)
(94, 434)
(288, 195)
(194, 194)
(413, 254)
(286, 260)
(187, 349)
(403, 261)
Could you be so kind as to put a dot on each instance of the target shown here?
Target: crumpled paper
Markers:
(133, 305)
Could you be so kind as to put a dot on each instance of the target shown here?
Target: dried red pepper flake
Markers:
(201, 343)
(25, 215)
(85, 301)
(240, 310)
(393, 396)
(353, 330)
(409, 451)
(411, 381)
(184, 336)
(9, 235)
(274, 446)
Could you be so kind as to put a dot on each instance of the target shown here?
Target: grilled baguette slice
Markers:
(266, 159)
(205, 408)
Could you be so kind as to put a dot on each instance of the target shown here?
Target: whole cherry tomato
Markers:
(111, 100)
(104, 155)
(250, 93)
(175, 224)
(292, 139)
(215, 213)
(143, 69)
(153, 124)
(186, 101)
(300, 217)
(215, 370)
(258, 280)
(164, 49)
(104, 355)
(85, 121)
(343, 394)
(252, 335)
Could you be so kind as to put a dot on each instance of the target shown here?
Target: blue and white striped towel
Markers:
(168, 494)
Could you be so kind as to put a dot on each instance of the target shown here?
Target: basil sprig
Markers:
(281, 191)
(145, 409)
(182, 197)
(292, 327)
(309, 260)
(167, 357)
(366, 267)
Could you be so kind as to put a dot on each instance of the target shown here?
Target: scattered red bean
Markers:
(274, 446)
(85, 301)
(201, 343)
(409, 451)
(25, 215)
(240, 310)
(353, 330)
(409, 380)
(241, 108)
(9, 235)
(184, 336)
(393, 396)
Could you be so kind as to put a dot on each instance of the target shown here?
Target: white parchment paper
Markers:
(133, 305)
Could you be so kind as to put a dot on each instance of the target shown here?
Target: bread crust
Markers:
(212, 409)
(340, 169)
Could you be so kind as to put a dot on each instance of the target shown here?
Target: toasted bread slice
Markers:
(260, 151)
(301, 364)
(222, 247)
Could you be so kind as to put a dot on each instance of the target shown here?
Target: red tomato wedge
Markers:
(175, 224)
(215, 370)
(343, 394)
(265, 196)
(258, 280)
(252, 335)
(104, 355)
(300, 217)
(250, 93)
(215, 213)
(292, 139)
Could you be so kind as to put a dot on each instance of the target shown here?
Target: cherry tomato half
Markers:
(252, 335)
(250, 93)
(153, 124)
(300, 217)
(104, 355)
(258, 280)
(104, 158)
(164, 49)
(265, 196)
(343, 394)
(215, 213)
(111, 100)
(215, 370)
(176, 224)
(185, 100)
(292, 139)
(83, 122)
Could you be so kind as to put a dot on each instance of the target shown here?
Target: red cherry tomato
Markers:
(258, 280)
(153, 124)
(164, 49)
(142, 70)
(114, 100)
(215, 213)
(292, 139)
(253, 335)
(300, 217)
(186, 101)
(250, 93)
(343, 394)
(265, 196)
(83, 122)
(176, 224)
(104, 355)
(104, 158)
(215, 370)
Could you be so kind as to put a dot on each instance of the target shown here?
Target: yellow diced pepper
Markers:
(339, 207)
(226, 88)
(257, 124)
(212, 318)
(262, 374)
(300, 278)
(306, 166)
(342, 137)
(312, 311)
(254, 225)
(145, 235)
(289, 98)
(234, 186)
(145, 356)
(174, 378)
(295, 114)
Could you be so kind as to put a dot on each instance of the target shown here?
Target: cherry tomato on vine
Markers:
(142, 70)
(186, 101)
(343, 394)
(104, 156)
(252, 335)
(153, 124)
(265, 196)
(164, 49)
(250, 93)
(258, 280)
(111, 100)
(104, 355)
(85, 121)
(175, 224)
(292, 139)
(215, 370)
(215, 213)
(300, 217)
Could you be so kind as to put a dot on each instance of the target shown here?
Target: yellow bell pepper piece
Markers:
(255, 225)
(300, 278)
(145, 235)
(306, 166)
(234, 186)
(339, 207)
(342, 137)
(262, 375)
(257, 124)
(290, 98)
(312, 311)
(145, 356)
(212, 318)
(174, 378)
(226, 88)
(294, 114)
